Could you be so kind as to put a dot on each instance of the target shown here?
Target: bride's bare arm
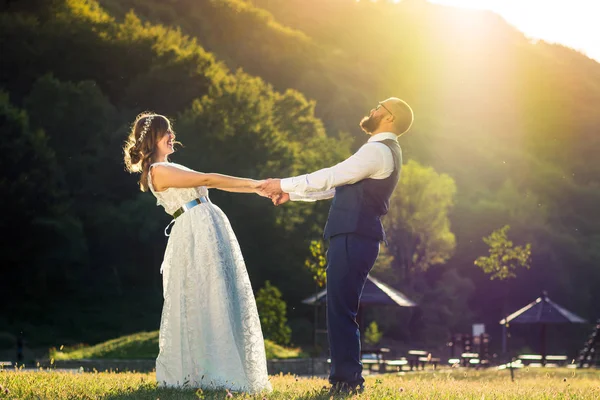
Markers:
(241, 190)
(164, 177)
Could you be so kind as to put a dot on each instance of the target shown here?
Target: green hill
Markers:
(144, 345)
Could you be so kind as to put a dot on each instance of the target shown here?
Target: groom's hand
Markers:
(282, 198)
(271, 188)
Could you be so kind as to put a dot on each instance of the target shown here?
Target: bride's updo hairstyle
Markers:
(140, 145)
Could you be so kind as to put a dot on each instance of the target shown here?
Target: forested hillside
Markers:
(506, 132)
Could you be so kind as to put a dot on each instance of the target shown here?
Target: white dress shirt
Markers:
(373, 160)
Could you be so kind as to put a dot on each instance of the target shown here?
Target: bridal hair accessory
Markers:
(147, 123)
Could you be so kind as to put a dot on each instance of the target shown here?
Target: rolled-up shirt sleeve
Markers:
(365, 163)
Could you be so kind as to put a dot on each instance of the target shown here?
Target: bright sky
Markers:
(573, 23)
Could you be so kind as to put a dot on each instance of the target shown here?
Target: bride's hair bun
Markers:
(135, 155)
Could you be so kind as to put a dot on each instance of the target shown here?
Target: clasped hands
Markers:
(271, 188)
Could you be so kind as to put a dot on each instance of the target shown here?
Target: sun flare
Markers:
(570, 23)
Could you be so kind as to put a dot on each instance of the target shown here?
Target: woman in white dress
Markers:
(210, 334)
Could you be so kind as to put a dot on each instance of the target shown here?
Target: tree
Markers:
(504, 259)
(317, 262)
(78, 119)
(443, 307)
(45, 248)
(271, 309)
(77, 126)
(372, 334)
(417, 225)
(502, 263)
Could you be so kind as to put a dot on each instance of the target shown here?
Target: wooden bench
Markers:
(372, 357)
(470, 359)
(413, 358)
(369, 362)
(433, 361)
(556, 360)
(378, 352)
(397, 365)
(535, 360)
(419, 358)
(387, 365)
(5, 364)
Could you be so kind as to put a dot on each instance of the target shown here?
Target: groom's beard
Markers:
(370, 124)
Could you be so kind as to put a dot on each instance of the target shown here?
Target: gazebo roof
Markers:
(374, 292)
(543, 311)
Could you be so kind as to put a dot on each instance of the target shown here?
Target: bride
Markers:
(210, 334)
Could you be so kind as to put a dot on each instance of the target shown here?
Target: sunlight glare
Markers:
(570, 23)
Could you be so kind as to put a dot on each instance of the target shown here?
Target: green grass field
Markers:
(450, 384)
(144, 345)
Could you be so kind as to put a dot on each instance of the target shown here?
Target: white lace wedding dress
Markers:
(210, 333)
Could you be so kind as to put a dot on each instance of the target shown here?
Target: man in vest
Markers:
(361, 187)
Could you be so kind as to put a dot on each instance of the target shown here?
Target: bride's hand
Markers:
(271, 187)
(258, 188)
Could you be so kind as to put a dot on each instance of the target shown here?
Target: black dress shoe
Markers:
(345, 388)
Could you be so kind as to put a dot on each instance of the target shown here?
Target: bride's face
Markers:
(165, 144)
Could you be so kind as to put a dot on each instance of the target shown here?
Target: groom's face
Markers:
(370, 123)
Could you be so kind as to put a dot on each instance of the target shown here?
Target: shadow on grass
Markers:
(183, 394)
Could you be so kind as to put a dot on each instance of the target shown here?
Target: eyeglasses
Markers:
(379, 105)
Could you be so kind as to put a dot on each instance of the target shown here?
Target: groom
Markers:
(361, 187)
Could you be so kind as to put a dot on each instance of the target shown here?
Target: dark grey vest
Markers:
(358, 208)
